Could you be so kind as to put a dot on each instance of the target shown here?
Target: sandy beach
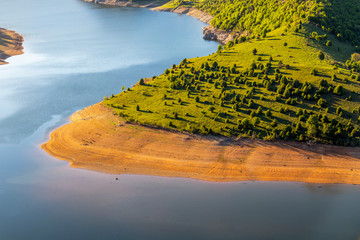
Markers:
(10, 44)
(97, 140)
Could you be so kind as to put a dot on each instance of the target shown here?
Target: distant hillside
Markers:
(258, 16)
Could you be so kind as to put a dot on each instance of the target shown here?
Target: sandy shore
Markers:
(97, 140)
(10, 44)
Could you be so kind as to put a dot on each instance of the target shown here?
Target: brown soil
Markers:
(10, 44)
(97, 140)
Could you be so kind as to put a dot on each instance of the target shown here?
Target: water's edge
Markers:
(209, 32)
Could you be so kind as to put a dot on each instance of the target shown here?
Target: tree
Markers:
(323, 83)
(333, 78)
(339, 90)
(245, 123)
(259, 111)
(230, 44)
(299, 112)
(268, 113)
(252, 113)
(251, 103)
(253, 65)
(312, 126)
(255, 121)
(137, 108)
(215, 65)
(322, 102)
(314, 72)
(141, 81)
(207, 66)
(220, 48)
(211, 108)
(254, 51)
(321, 55)
(355, 57)
(287, 93)
(274, 123)
(338, 110)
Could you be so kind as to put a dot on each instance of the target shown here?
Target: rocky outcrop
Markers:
(222, 36)
(121, 3)
(202, 16)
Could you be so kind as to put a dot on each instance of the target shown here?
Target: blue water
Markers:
(76, 53)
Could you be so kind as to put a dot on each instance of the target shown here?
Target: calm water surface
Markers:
(76, 53)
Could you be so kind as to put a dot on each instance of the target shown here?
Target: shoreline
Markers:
(98, 140)
(209, 32)
(10, 44)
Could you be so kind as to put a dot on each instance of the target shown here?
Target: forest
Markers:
(261, 16)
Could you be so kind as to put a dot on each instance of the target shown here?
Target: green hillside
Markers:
(337, 17)
(293, 81)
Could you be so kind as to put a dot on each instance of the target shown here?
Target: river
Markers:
(76, 53)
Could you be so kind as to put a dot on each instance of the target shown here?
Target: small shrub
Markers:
(321, 55)
(274, 123)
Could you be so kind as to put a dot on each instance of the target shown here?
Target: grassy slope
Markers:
(300, 53)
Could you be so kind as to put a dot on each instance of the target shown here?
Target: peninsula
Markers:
(270, 104)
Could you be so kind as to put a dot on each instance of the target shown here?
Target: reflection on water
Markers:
(75, 53)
